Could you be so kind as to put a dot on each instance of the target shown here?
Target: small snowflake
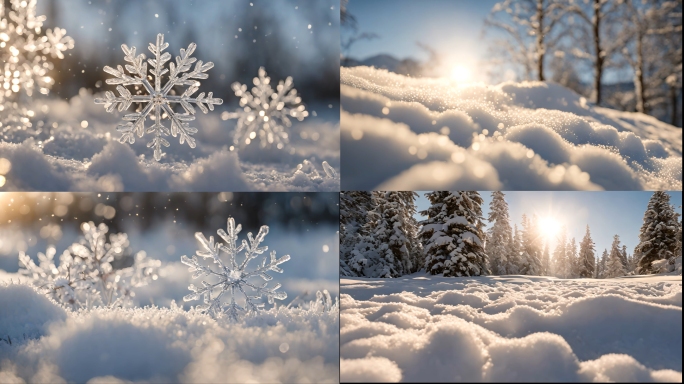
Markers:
(25, 65)
(159, 101)
(231, 276)
(266, 112)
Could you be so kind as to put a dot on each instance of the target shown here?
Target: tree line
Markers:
(558, 40)
(380, 237)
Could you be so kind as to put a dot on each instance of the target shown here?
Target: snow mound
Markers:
(77, 149)
(172, 345)
(510, 328)
(425, 134)
(26, 313)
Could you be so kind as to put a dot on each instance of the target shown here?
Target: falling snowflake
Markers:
(266, 112)
(85, 276)
(23, 51)
(159, 101)
(231, 276)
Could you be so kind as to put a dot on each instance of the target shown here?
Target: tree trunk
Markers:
(639, 75)
(598, 68)
(540, 40)
(673, 102)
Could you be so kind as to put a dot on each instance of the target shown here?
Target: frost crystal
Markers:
(266, 112)
(159, 101)
(23, 52)
(231, 276)
(85, 276)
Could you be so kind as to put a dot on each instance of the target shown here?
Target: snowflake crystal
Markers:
(85, 276)
(266, 112)
(25, 65)
(159, 101)
(232, 276)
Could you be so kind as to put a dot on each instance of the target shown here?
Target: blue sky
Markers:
(446, 25)
(607, 213)
(453, 28)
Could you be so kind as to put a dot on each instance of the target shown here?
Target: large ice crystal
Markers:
(232, 277)
(85, 276)
(159, 102)
(266, 112)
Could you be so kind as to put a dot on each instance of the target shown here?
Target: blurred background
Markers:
(622, 54)
(297, 38)
(303, 225)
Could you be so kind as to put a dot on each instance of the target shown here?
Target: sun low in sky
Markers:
(460, 73)
(549, 227)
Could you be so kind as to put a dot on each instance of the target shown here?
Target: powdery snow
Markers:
(401, 133)
(163, 344)
(511, 328)
(78, 150)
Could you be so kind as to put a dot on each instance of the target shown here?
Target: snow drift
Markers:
(74, 146)
(511, 328)
(165, 345)
(401, 133)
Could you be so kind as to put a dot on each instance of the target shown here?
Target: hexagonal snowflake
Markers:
(159, 101)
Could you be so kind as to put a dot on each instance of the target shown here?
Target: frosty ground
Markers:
(49, 344)
(436, 134)
(78, 149)
(511, 328)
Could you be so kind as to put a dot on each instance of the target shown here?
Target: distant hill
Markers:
(407, 66)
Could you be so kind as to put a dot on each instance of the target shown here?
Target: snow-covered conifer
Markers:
(354, 207)
(498, 235)
(658, 234)
(586, 256)
(614, 266)
(573, 259)
(452, 234)
(560, 254)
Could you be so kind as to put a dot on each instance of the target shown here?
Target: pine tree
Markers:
(415, 247)
(586, 256)
(354, 208)
(560, 254)
(658, 234)
(604, 260)
(623, 257)
(499, 235)
(514, 257)
(384, 244)
(614, 267)
(546, 261)
(530, 248)
(452, 234)
(573, 259)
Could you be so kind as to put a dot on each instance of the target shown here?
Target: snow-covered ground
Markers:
(49, 344)
(511, 328)
(401, 133)
(78, 150)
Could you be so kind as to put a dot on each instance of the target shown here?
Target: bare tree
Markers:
(529, 29)
(649, 25)
(597, 42)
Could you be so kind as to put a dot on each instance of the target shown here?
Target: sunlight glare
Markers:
(549, 226)
(460, 73)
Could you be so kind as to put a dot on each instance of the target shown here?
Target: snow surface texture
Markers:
(164, 345)
(78, 151)
(511, 328)
(401, 133)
